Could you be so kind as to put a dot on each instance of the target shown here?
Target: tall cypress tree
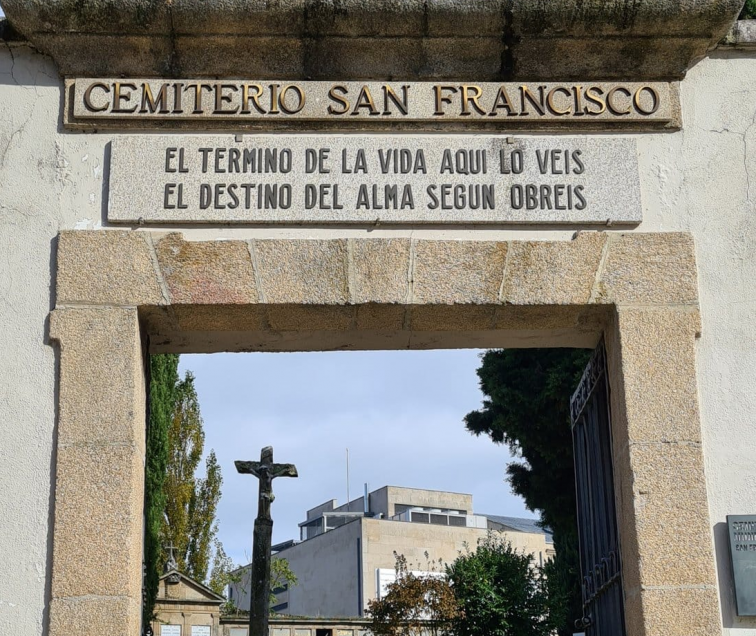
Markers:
(527, 407)
(163, 380)
(179, 507)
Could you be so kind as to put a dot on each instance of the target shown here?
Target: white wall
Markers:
(47, 182)
(327, 567)
(713, 195)
(701, 179)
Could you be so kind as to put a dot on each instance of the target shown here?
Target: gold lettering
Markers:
(502, 101)
(612, 106)
(178, 87)
(537, 104)
(467, 99)
(221, 99)
(118, 97)
(274, 99)
(594, 94)
(402, 105)
(339, 99)
(246, 98)
(88, 98)
(150, 104)
(300, 96)
(550, 100)
(441, 99)
(198, 96)
(654, 96)
(578, 93)
(365, 100)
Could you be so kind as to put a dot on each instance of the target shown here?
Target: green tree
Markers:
(749, 10)
(527, 407)
(191, 502)
(163, 380)
(501, 592)
(202, 510)
(222, 569)
(414, 605)
(281, 575)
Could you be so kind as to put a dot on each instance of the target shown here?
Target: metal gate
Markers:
(603, 607)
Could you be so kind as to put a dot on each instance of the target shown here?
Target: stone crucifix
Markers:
(266, 471)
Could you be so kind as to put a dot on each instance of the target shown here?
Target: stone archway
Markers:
(118, 290)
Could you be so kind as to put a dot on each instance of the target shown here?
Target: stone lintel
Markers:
(151, 269)
(297, 39)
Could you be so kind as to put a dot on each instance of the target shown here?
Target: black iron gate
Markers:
(603, 611)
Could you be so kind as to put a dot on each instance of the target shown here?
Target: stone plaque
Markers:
(742, 529)
(150, 103)
(170, 630)
(375, 179)
(200, 630)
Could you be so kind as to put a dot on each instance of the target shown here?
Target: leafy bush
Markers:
(414, 605)
(749, 10)
(500, 591)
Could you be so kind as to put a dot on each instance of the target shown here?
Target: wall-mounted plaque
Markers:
(742, 529)
(374, 179)
(257, 104)
(170, 630)
(200, 630)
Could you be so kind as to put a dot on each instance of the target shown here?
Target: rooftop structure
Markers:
(346, 555)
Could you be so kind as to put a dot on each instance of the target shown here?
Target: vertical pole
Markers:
(260, 583)
(347, 457)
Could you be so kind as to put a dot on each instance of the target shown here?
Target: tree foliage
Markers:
(500, 591)
(281, 575)
(186, 440)
(221, 573)
(414, 605)
(202, 509)
(749, 10)
(163, 380)
(527, 407)
(191, 501)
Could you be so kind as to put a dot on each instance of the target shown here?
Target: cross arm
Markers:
(283, 470)
(274, 470)
(248, 468)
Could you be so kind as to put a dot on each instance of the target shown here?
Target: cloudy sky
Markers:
(399, 413)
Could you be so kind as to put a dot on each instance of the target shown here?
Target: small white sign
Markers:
(170, 630)
(200, 630)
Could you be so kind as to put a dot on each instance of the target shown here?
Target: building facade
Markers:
(185, 607)
(346, 555)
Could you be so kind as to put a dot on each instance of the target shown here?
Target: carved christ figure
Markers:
(265, 471)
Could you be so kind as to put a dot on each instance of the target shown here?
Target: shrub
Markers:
(500, 591)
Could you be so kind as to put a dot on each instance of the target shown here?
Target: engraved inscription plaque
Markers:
(374, 179)
(742, 530)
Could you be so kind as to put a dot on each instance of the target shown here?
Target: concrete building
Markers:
(346, 555)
